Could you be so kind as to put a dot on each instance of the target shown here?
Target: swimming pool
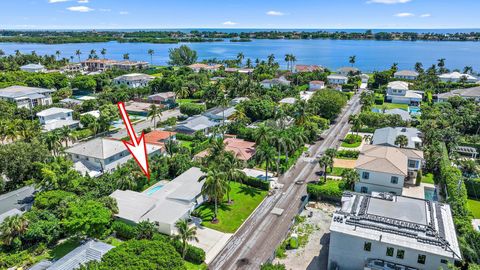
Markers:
(151, 191)
(376, 110)
(414, 110)
(430, 194)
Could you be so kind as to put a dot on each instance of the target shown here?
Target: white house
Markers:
(282, 81)
(101, 155)
(384, 231)
(397, 92)
(196, 123)
(337, 79)
(316, 85)
(133, 80)
(163, 204)
(207, 67)
(219, 113)
(457, 76)
(54, 118)
(364, 78)
(387, 136)
(386, 169)
(406, 75)
(33, 68)
(348, 71)
(27, 97)
(467, 93)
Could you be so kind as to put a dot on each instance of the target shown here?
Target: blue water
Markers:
(151, 191)
(430, 194)
(371, 55)
(414, 110)
(376, 110)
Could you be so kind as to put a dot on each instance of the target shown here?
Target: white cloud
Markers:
(57, 1)
(80, 9)
(229, 23)
(425, 15)
(104, 9)
(404, 14)
(275, 13)
(123, 13)
(83, 1)
(388, 2)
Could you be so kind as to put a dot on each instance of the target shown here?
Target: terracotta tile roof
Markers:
(383, 159)
(156, 136)
(242, 149)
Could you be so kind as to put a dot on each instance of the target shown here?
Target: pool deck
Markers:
(416, 191)
(159, 183)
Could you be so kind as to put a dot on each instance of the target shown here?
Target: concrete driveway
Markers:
(211, 241)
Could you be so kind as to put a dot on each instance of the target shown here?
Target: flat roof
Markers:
(409, 222)
(16, 199)
(17, 91)
(53, 110)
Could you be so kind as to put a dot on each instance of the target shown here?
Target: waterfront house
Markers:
(54, 118)
(197, 67)
(100, 65)
(386, 169)
(335, 79)
(92, 250)
(27, 97)
(241, 149)
(387, 136)
(467, 93)
(282, 81)
(316, 85)
(398, 92)
(133, 80)
(348, 71)
(384, 231)
(162, 204)
(457, 76)
(307, 68)
(101, 155)
(406, 75)
(33, 68)
(239, 70)
(196, 123)
(73, 67)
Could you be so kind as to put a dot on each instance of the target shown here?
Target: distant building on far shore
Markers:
(95, 65)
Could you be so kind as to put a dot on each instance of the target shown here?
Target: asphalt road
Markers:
(255, 242)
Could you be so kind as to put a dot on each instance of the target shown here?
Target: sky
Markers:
(318, 14)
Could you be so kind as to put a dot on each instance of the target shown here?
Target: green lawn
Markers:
(351, 145)
(187, 100)
(428, 178)
(337, 171)
(474, 206)
(390, 106)
(187, 144)
(245, 200)
(192, 266)
(62, 249)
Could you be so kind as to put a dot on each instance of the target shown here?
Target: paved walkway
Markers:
(344, 163)
(211, 241)
(417, 191)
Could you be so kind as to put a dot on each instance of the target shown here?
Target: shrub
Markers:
(270, 266)
(257, 183)
(348, 154)
(184, 137)
(353, 138)
(124, 231)
(192, 108)
(293, 243)
(194, 254)
(379, 98)
(473, 187)
(419, 178)
(331, 190)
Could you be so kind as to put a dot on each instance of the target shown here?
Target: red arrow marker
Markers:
(136, 146)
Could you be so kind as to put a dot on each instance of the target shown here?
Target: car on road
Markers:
(300, 182)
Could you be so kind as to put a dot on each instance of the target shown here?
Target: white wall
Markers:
(347, 251)
(379, 182)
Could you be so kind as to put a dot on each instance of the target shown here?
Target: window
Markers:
(365, 175)
(367, 246)
(364, 190)
(400, 254)
(412, 163)
(390, 251)
(421, 259)
(444, 261)
(394, 180)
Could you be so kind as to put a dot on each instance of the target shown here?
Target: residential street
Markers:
(255, 242)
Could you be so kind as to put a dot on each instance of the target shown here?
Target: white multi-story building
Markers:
(397, 92)
(316, 85)
(133, 80)
(406, 75)
(27, 97)
(282, 81)
(457, 76)
(54, 118)
(33, 68)
(384, 231)
(337, 79)
(386, 169)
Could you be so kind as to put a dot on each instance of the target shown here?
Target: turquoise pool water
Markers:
(151, 191)
(430, 194)
(414, 110)
(376, 110)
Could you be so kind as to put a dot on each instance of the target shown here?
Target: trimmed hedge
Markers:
(124, 231)
(184, 137)
(331, 190)
(257, 183)
(194, 254)
(348, 154)
(473, 188)
(192, 108)
(379, 99)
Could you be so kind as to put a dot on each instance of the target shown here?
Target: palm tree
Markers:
(401, 141)
(468, 70)
(265, 153)
(57, 53)
(126, 183)
(419, 67)
(78, 53)
(12, 227)
(126, 56)
(240, 57)
(230, 165)
(185, 234)
(441, 65)
(351, 177)
(103, 52)
(293, 59)
(17, 53)
(331, 152)
(240, 116)
(325, 162)
(394, 67)
(151, 53)
(214, 187)
(262, 134)
(222, 101)
(153, 112)
(248, 63)
(356, 122)
(182, 92)
(352, 59)
(271, 59)
(71, 58)
(288, 59)
(65, 135)
(53, 142)
(2, 53)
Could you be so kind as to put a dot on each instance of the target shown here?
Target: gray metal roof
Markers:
(17, 199)
(406, 73)
(22, 91)
(473, 92)
(91, 251)
(387, 136)
(196, 123)
(218, 112)
(100, 148)
(402, 113)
